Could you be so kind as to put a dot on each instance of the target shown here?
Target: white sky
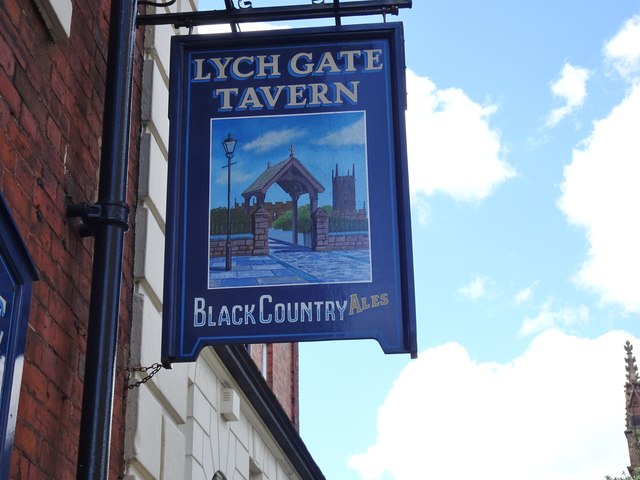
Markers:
(554, 412)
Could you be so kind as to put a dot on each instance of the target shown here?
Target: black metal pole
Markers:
(336, 5)
(108, 227)
(229, 6)
(227, 261)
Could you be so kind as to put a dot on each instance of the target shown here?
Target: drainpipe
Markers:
(107, 221)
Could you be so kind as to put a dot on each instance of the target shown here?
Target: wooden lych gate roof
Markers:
(290, 175)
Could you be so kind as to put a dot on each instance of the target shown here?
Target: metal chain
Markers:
(150, 371)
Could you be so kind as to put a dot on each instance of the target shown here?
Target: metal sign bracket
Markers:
(249, 14)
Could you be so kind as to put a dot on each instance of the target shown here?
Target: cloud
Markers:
(547, 318)
(600, 193)
(571, 87)
(270, 140)
(420, 208)
(475, 289)
(623, 50)
(556, 413)
(452, 148)
(239, 176)
(353, 134)
(523, 296)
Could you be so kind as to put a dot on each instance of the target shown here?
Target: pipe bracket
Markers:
(97, 214)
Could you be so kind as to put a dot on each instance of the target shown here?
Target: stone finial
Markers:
(631, 367)
(632, 391)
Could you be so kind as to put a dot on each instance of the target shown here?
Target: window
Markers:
(57, 16)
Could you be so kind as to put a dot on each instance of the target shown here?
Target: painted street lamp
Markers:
(229, 146)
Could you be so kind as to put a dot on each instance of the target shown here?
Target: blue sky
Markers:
(524, 159)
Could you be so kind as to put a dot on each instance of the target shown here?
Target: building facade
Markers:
(52, 88)
(632, 401)
(231, 414)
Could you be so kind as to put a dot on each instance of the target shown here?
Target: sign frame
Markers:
(17, 272)
(202, 89)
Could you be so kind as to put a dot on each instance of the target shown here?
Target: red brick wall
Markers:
(281, 374)
(51, 102)
(282, 377)
(255, 350)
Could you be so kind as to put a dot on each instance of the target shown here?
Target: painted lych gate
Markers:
(295, 180)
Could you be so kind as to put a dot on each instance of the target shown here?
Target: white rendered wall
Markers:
(174, 429)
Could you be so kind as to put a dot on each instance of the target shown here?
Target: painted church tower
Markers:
(343, 190)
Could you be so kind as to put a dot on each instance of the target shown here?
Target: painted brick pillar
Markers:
(319, 231)
(260, 227)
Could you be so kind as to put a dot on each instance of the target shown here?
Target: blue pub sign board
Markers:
(17, 273)
(288, 208)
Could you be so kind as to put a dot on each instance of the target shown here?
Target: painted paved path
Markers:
(289, 264)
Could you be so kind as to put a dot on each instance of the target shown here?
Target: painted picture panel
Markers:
(324, 166)
(288, 216)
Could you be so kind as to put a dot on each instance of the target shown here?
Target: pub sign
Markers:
(288, 206)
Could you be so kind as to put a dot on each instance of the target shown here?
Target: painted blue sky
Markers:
(524, 159)
(319, 141)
